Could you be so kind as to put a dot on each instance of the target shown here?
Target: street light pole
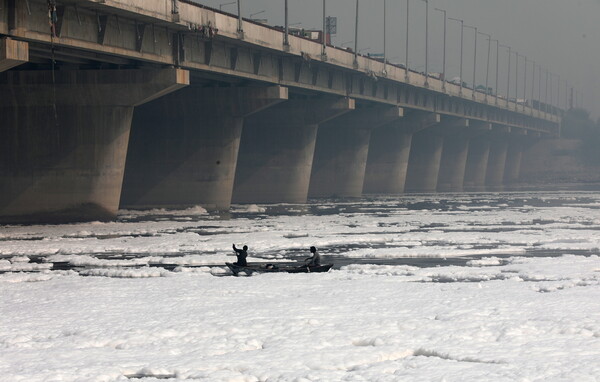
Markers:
(324, 51)
(558, 91)
(517, 80)
(407, 77)
(426, 43)
(356, 38)
(240, 21)
(462, 35)
(444, 60)
(532, 85)
(487, 72)
(384, 37)
(551, 94)
(508, 82)
(497, 67)
(546, 96)
(539, 88)
(286, 40)
(474, 59)
(525, 83)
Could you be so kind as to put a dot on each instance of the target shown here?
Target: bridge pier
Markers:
(477, 163)
(184, 146)
(342, 150)
(494, 179)
(425, 157)
(64, 140)
(387, 163)
(454, 156)
(514, 157)
(277, 150)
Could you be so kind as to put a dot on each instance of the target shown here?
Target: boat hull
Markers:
(274, 268)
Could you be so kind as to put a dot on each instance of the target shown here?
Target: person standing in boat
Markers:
(241, 255)
(315, 259)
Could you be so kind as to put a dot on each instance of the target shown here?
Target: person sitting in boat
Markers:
(241, 255)
(315, 259)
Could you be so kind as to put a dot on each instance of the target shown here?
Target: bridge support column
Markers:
(64, 140)
(514, 156)
(425, 158)
(477, 163)
(12, 53)
(453, 164)
(494, 179)
(387, 163)
(454, 156)
(342, 150)
(277, 150)
(184, 147)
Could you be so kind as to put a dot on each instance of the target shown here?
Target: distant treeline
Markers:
(577, 124)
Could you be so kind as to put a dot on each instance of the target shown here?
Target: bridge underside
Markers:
(138, 111)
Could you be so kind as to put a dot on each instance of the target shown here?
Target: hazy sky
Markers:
(561, 35)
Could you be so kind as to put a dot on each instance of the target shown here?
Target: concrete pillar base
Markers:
(494, 179)
(477, 163)
(424, 162)
(342, 150)
(184, 147)
(387, 163)
(453, 163)
(277, 149)
(64, 140)
(514, 156)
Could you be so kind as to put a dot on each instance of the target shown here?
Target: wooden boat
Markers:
(277, 268)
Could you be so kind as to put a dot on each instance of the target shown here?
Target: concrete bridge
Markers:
(164, 103)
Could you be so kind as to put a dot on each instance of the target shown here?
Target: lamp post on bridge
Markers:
(517, 80)
(539, 88)
(385, 38)
(508, 82)
(497, 68)
(356, 38)
(406, 75)
(324, 49)
(240, 21)
(462, 35)
(426, 43)
(524, 83)
(444, 59)
(474, 59)
(532, 85)
(487, 72)
(546, 96)
(286, 39)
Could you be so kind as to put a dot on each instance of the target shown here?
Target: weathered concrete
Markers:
(425, 152)
(277, 150)
(514, 156)
(184, 146)
(424, 162)
(387, 164)
(477, 163)
(130, 32)
(453, 164)
(456, 135)
(494, 179)
(64, 140)
(342, 149)
(12, 53)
